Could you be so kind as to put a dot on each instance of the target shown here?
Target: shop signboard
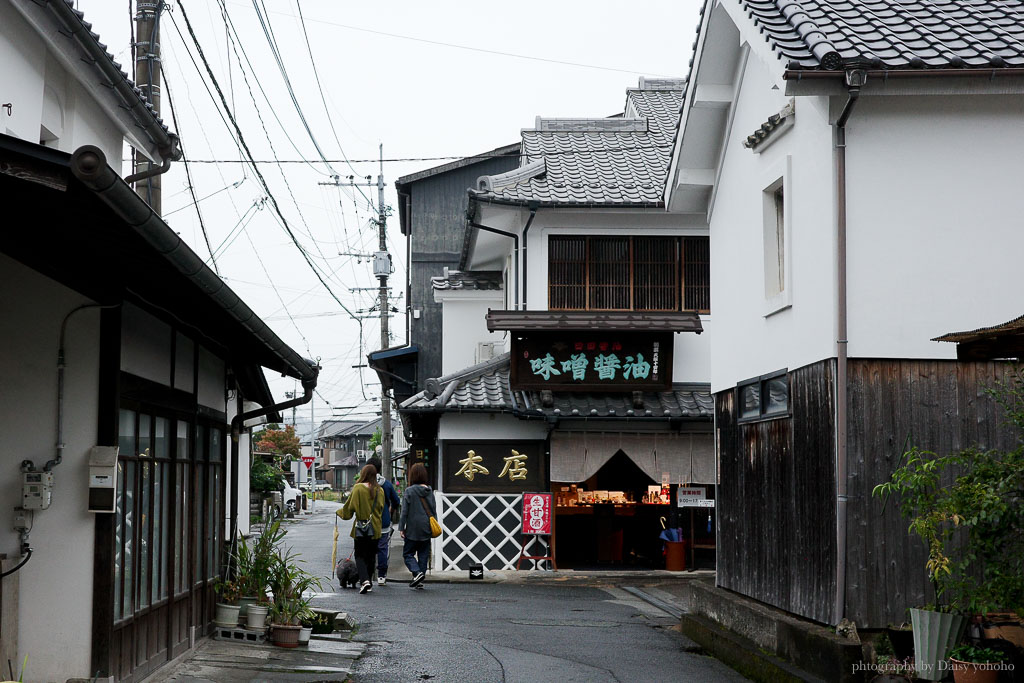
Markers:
(592, 361)
(537, 514)
(506, 466)
(687, 496)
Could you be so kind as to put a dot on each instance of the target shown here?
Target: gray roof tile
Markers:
(892, 34)
(467, 280)
(585, 161)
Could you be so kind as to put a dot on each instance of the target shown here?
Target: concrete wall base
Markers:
(767, 644)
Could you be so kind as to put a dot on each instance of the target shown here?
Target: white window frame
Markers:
(778, 177)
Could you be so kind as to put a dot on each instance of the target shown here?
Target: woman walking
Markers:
(418, 507)
(366, 503)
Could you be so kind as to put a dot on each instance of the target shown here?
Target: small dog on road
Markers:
(348, 577)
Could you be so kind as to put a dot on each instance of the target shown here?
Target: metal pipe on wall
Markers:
(854, 82)
(515, 251)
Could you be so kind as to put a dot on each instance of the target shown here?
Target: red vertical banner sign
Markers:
(538, 520)
(537, 514)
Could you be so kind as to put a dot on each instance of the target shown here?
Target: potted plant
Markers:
(254, 564)
(966, 507)
(972, 664)
(289, 582)
(226, 615)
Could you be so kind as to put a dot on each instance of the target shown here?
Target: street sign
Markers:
(307, 460)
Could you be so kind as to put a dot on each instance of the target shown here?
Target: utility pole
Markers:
(381, 270)
(147, 77)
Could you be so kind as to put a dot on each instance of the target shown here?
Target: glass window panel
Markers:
(145, 434)
(750, 400)
(145, 537)
(126, 432)
(210, 502)
(216, 445)
(181, 508)
(118, 536)
(129, 538)
(201, 444)
(160, 532)
(776, 395)
(199, 518)
(161, 447)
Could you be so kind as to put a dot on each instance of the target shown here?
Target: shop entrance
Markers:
(610, 521)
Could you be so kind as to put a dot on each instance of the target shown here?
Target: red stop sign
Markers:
(307, 460)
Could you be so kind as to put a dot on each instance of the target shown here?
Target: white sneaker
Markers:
(382, 581)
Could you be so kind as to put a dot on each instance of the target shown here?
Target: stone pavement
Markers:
(332, 658)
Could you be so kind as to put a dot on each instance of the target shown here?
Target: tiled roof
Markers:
(486, 387)
(94, 37)
(619, 161)
(1012, 327)
(467, 280)
(892, 34)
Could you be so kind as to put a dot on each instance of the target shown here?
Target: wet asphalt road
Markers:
(501, 632)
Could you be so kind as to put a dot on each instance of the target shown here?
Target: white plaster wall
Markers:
(55, 601)
(936, 220)
(145, 345)
(212, 392)
(28, 69)
(691, 354)
(464, 325)
(746, 340)
(489, 426)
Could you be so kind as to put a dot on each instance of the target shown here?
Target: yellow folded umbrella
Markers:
(334, 550)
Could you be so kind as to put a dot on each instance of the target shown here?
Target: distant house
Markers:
(131, 374)
(345, 445)
(572, 360)
(858, 171)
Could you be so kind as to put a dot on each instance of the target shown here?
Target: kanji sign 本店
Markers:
(592, 360)
(493, 466)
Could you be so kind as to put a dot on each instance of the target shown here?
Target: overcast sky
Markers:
(424, 79)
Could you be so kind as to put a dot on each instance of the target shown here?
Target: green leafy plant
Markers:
(976, 655)
(968, 509)
(255, 560)
(228, 591)
(264, 477)
(289, 582)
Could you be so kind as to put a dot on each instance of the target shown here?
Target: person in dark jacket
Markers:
(391, 506)
(418, 506)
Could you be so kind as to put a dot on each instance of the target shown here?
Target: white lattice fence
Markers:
(484, 528)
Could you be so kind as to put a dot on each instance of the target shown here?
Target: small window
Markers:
(774, 240)
(764, 397)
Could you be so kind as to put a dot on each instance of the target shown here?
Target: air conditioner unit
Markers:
(488, 350)
(362, 455)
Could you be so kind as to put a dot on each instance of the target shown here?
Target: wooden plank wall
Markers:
(776, 497)
(938, 405)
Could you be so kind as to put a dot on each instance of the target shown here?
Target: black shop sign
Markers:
(494, 466)
(592, 361)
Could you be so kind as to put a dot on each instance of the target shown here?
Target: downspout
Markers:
(854, 81)
(515, 239)
(522, 254)
(308, 387)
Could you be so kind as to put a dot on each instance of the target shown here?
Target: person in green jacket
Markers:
(366, 502)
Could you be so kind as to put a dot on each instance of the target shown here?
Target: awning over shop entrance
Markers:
(687, 458)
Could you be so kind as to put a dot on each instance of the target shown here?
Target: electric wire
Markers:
(259, 174)
(188, 173)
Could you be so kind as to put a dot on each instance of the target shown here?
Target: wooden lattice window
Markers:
(629, 273)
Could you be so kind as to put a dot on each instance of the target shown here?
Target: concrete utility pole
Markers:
(381, 270)
(147, 77)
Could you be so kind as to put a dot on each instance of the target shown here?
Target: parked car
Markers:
(319, 485)
(291, 497)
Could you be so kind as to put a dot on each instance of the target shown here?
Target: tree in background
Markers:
(282, 442)
(375, 441)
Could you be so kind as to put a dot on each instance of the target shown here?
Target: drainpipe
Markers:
(308, 386)
(515, 239)
(854, 81)
(533, 214)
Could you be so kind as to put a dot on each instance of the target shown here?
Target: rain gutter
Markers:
(515, 239)
(522, 254)
(854, 82)
(883, 74)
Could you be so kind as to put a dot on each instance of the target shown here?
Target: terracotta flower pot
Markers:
(285, 635)
(969, 672)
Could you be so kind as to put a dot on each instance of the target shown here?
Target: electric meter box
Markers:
(36, 490)
(381, 264)
(102, 478)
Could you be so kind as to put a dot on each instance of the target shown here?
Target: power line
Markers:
(473, 157)
(256, 170)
